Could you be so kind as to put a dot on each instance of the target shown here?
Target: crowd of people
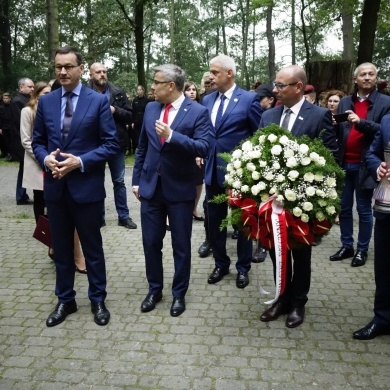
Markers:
(64, 134)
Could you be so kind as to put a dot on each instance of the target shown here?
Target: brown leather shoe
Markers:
(273, 313)
(295, 317)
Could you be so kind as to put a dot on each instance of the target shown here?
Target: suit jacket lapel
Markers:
(303, 113)
(57, 113)
(183, 110)
(232, 103)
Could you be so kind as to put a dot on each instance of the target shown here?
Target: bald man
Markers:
(122, 113)
(315, 122)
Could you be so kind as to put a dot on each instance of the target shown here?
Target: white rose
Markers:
(245, 188)
(237, 164)
(309, 177)
(255, 190)
(303, 148)
(332, 193)
(247, 146)
(262, 164)
(239, 172)
(272, 138)
(290, 195)
(229, 167)
(320, 216)
(330, 182)
(262, 185)
(291, 162)
(320, 193)
(283, 140)
(237, 154)
(272, 190)
(297, 211)
(288, 153)
(307, 206)
(269, 176)
(322, 203)
(321, 161)
(276, 165)
(237, 184)
(255, 175)
(261, 139)
(279, 199)
(254, 154)
(331, 210)
(230, 180)
(293, 175)
(310, 191)
(276, 150)
(280, 178)
(314, 156)
(318, 177)
(305, 217)
(250, 166)
(305, 161)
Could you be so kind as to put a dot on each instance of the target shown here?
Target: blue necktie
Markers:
(219, 116)
(67, 116)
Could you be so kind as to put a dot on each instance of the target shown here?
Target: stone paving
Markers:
(217, 344)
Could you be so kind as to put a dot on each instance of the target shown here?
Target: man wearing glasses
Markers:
(301, 118)
(73, 137)
(174, 132)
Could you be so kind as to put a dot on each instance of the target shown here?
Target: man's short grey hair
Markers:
(171, 72)
(356, 71)
(23, 81)
(225, 62)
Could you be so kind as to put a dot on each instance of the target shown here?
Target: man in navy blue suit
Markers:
(74, 135)
(235, 115)
(304, 119)
(380, 324)
(175, 131)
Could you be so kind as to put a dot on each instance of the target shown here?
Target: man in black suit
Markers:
(313, 121)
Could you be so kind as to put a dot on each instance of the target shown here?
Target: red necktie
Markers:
(165, 118)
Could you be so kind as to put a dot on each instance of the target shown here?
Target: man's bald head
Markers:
(98, 75)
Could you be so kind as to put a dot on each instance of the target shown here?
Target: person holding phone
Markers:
(365, 109)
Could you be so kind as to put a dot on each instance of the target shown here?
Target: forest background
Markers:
(133, 36)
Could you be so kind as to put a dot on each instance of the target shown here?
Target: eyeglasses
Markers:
(280, 86)
(157, 82)
(67, 68)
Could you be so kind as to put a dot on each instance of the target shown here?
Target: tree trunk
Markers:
(172, 31)
(139, 40)
(271, 44)
(224, 44)
(368, 25)
(5, 41)
(293, 33)
(245, 29)
(347, 28)
(304, 34)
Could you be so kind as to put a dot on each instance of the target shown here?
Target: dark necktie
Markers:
(67, 116)
(218, 118)
(165, 118)
(286, 119)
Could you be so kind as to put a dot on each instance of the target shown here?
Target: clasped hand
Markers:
(61, 168)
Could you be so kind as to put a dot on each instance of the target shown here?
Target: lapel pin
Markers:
(300, 118)
(235, 100)
(185, 109)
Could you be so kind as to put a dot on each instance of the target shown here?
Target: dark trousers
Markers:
(216, 213)
(382, 270)
(64, 217)
(21, 193)
(154, 213)
(39, 204)
(298, 276)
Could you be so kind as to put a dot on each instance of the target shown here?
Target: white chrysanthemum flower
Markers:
(261, 139)
(291, 162)
(272, 138)
(283, 140)
(322, 203)
(319, 177)
(247, 146)
(331, 210)
(320, 216)
(254, 154)
(290, 195)
(237, 154)
(237, 184)
(276, 165)
(245, 188)
(297, 211)
(307, 206)
(305, 161)
(269, 176)
(237, 164)
(280, 178)
(276, 150)
(293, 175)
(288, 153)
(262, 185)
(239, 172)
(314, 156)
(303, 148)
(255, 190)
(255, 175)
(250, 166)
(230, 180)
(229, 167)
(309, 177)
(310, 191)
(320, 193)
(262, 164)
(330, 182)
(332, 193)
(321, 161)
(272, 190)
(304, 217)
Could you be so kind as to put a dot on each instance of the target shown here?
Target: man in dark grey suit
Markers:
(301, 118)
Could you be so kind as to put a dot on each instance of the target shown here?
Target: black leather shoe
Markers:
(149, 303)
(359, 259)
(235, 235)
(276, 310)
(295, 317)
(24, 202)
(101, 314)
(371, 331)
(61, 311)
(217, 275)
(178, 307)
(242, 279)
(127, 223)
(343, 253)
(259, 255)
(204, 249)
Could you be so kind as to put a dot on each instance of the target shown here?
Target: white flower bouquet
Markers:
(300, 175)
